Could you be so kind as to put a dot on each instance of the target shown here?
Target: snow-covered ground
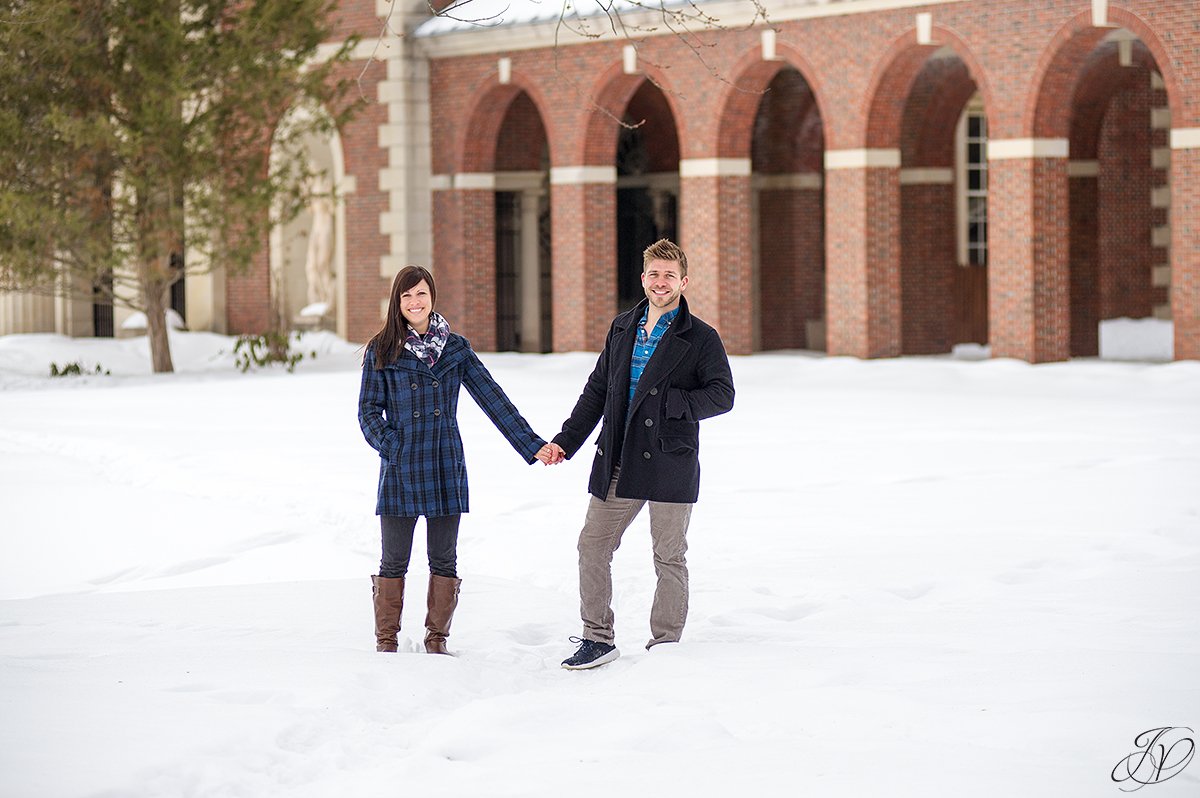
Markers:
(913, 577)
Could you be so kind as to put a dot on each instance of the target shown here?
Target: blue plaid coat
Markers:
(409, 414)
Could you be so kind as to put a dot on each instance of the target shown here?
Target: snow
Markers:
(1137, 339)
(912, 577)
(468, 15)
(137, 321)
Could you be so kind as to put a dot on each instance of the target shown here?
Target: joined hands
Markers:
(551, 454)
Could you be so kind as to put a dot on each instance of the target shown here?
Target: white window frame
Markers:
(963, 194)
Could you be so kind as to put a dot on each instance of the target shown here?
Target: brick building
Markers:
(864, 177)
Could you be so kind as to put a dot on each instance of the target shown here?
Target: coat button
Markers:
(416, 414)
(646, 455)
(649, 422)
(435, 383)
(654, 392)
(599, 451)
(437, 411)
(414, 386)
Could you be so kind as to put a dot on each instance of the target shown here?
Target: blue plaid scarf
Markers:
(428, 347)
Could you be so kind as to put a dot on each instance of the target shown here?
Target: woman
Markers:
(408, 411)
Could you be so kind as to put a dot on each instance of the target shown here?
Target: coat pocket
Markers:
(677, 445)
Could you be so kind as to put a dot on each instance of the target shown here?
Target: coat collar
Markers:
(669, 352)
(454, 353)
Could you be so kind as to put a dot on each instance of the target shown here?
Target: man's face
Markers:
(664, 284)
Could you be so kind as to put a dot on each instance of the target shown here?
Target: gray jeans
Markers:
(603, 527)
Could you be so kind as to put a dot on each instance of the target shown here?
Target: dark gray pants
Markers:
(606, 522)
(441, 536)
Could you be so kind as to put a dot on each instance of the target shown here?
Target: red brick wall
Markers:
(1026, 56)
(929, 248)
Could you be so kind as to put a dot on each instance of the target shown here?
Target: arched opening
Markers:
(1118, 190)
(522, 209)
(308, 251)
(647, 161)
(788, 180)
(943, 209)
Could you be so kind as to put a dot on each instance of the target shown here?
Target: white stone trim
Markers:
(1160, 119)
(1005, 149)
(878, 158)
(793, 181)
(1160, 276)
(714, 167)
(1083, 168)
(1163, 311)
(1160, 157)
(507, 38)
(519, 180)
(1099, 13)
(504, 70)
(582, 175)
(1156, 81)
(924, 28)
(475, 181)
(655, 181)
(1125, 52)
(1160, 197)
(437, 182)
(1160, 235)
(927, 176)
(1185, 138)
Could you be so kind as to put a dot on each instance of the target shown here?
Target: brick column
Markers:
(862, 200)
(464, 244)
(1028, 272)
(583, 278)
(716, 235)
(1185, 241)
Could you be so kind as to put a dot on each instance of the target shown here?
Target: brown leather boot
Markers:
(389, 602)
(442, 599)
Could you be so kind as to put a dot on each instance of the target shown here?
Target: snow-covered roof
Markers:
(466, 15)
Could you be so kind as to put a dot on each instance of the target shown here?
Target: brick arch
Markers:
(897, 73)
(614, 91)
(940, 93)
(1046, 114)
(521, 141)
(489, 107)
(1101, 79)
(751, 76)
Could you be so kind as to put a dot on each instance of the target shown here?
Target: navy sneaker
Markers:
(590, 655)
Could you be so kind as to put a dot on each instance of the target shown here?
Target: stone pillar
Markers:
(863, 252)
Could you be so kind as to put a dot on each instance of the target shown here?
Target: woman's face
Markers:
(416, 305)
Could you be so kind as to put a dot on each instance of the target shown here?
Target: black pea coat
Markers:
(656, 437)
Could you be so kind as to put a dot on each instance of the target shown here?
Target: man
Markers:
(662, 371)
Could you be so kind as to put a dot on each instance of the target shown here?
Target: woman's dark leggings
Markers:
(441, 544)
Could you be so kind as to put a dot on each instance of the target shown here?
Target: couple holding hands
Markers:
(662, 370)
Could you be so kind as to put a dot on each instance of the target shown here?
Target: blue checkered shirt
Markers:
(644, 346)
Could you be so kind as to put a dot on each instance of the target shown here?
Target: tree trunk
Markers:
(156, 327)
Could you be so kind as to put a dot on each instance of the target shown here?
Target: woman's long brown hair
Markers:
(389, 341)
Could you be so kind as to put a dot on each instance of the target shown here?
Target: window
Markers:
(971, 142)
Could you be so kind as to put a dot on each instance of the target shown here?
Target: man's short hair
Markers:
(665, 249)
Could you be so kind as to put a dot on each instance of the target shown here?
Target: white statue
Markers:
(318, 264)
